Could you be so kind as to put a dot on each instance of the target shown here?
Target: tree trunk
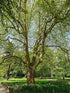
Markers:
(31, 76)
(51, 73)
(8, 73)
(7, 77)
(63, 77)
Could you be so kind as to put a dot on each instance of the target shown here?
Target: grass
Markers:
(23, 80)
(14, 81)
(68, 80)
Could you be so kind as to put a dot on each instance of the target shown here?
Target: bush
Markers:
(44, 88)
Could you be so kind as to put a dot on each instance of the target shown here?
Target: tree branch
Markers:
(63, 49)
(4, 39)
(2, 34)
(51, 27)
(16, 39)
(6, 57)
(13, 24)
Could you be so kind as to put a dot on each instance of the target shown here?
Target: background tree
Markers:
(62, 67)
(6, 60)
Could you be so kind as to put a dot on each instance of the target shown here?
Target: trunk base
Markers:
(31, 76)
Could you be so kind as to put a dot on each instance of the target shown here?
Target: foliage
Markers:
(40, 89)
(62, 68)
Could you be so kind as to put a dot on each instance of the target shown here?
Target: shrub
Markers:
(45, 88)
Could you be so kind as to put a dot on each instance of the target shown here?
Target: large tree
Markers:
(29, 22)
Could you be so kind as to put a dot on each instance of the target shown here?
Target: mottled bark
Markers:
(31, 76)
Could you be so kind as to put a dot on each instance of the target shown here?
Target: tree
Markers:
(19, 17)
(62, 67)
(6, 61)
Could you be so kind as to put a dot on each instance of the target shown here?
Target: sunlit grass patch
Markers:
(24, 80)
(14, 81)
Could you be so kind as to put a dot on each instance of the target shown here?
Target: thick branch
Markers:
(26, 36)
(51, 27)
(20, 24)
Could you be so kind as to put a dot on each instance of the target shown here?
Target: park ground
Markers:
(48, 85)
(37, 80)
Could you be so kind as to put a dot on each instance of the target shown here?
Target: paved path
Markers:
(3, 89)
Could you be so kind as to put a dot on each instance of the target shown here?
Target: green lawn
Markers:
(68, 79)
(14, 81)
(23, 80)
